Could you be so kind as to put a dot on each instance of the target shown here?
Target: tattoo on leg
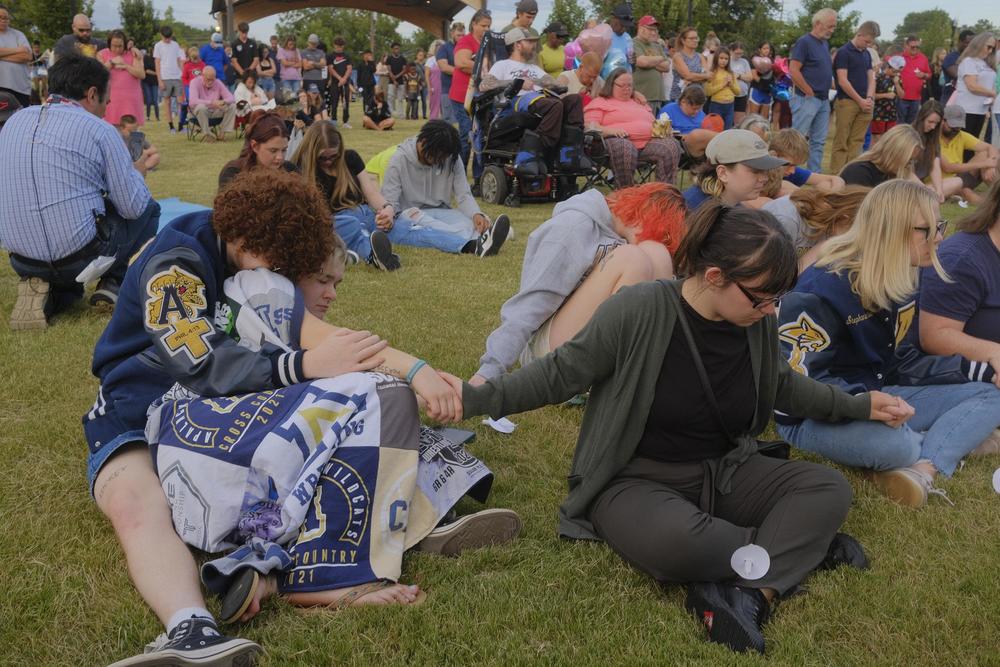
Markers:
(112, 477)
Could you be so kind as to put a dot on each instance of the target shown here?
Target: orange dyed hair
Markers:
(656, 210)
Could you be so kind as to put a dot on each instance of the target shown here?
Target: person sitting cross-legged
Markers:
(425, 175)
(956, 144)
(92, 207)
(592, 247)
(851, 323)
(210, 99)
(378, 116)
(675, 487)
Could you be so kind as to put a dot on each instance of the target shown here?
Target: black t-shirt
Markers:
(339, 61)
(366, 75)
(234, 167)
(396, 65)
(245, 52)
(863, 173)
(378, 112)
(149, 64)
(355, 165)
(681, 425)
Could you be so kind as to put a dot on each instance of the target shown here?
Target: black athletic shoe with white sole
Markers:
(485, 528)
(734, 616)
(492, 239)
(196, 642)
(106, 293)
(382, 256)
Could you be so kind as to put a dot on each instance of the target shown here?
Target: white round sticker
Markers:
(751, 562)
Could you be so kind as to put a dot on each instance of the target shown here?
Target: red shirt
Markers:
(460, 80)
(912, 86)
(191, 70)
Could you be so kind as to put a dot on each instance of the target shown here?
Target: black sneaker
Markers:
(733, 615)
(382, 256)
(106, 294)
(196, 641)
(844, 550)
(490, 241)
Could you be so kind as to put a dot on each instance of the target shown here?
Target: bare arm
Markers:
(943, 335)
(972, 83)
(464, 61)
(648, 62)
(444, 66)
(136, 69)
(19, 54)
(795, 71)
(680, 67)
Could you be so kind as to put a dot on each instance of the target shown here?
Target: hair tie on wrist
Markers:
(420, 363)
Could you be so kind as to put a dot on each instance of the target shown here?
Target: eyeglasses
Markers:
(939, 228)
(760, 302)
(624, 85)
(329, 156)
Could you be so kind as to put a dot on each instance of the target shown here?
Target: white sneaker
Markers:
(908, 486)
(347, 126)
(485, 528)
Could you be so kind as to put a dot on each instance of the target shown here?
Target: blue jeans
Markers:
(811, 117)
(464, 129)
(724, 110)
(906, 111)
(449, 220)
(293, 87)
(950, 421)
(151, 96)
(266, 84)
(355, 227)
(116, 237)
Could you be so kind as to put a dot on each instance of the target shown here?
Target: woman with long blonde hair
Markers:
(811, 216)
(362, 217)
(891, 157)
(850, 323)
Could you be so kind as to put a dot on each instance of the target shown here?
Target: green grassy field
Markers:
(932, 596)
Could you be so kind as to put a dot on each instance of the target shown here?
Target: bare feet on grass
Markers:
(352, 596)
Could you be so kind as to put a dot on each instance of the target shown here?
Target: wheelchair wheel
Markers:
(494, 184)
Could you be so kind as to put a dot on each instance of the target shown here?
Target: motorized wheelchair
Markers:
(502, 136)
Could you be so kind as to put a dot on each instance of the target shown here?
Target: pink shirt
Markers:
(199, 94)
(290, 72)
(628, 115)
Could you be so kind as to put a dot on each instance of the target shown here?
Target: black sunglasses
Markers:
(939, 228)
(760, 302)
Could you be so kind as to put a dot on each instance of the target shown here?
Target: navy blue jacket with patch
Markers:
(829, 336)
(169, 326)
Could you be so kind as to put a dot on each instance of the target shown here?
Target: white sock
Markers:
(184, 614)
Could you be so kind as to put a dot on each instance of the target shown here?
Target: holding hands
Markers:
(890, 410)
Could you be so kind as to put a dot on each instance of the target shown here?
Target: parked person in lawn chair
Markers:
(591, 247)
(683, 377)
(851, 323)
(210, 99)
(627, 127)
(962, 316)
(425, 175)
(560, 124)
(82, 209)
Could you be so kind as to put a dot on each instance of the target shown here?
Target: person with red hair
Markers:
(265, 145)
(593, 246)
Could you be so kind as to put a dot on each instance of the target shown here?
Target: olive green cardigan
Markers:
(618, 357)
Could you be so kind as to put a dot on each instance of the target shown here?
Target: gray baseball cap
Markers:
(217, 37)
(515, 35)
(313, 39)
(741, 147)
(954, 115)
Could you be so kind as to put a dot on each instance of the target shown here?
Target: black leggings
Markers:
(974, 125)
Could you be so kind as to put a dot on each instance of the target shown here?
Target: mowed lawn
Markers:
(932, 596)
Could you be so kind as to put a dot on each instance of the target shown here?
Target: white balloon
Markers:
(751, 561)
(996, 480)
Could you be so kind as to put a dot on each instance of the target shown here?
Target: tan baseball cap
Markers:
(515, 35)
(741, 147)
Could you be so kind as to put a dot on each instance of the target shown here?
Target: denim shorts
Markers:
(97, 459)
(759, 98)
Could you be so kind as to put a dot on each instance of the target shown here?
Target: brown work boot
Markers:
(29, 309)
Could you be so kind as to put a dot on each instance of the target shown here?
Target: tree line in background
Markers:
(752, 21)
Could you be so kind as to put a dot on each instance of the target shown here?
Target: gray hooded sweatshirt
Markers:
(560, 254)
(426, 187)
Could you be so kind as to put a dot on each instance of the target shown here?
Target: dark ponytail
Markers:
(743, 242)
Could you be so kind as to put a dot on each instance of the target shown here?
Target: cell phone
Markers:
(134, 143)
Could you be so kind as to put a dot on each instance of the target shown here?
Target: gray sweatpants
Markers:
(664, 519)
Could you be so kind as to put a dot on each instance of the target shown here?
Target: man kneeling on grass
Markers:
(425, 174)
(171, 342)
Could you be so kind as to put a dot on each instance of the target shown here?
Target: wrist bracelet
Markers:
(414, 370)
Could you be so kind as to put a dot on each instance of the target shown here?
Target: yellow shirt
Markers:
(552, 60)
(952, 149)
(718, 90)
(378, 164)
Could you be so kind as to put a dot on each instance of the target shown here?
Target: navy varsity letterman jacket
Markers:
(829, 336)
(169, 326)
